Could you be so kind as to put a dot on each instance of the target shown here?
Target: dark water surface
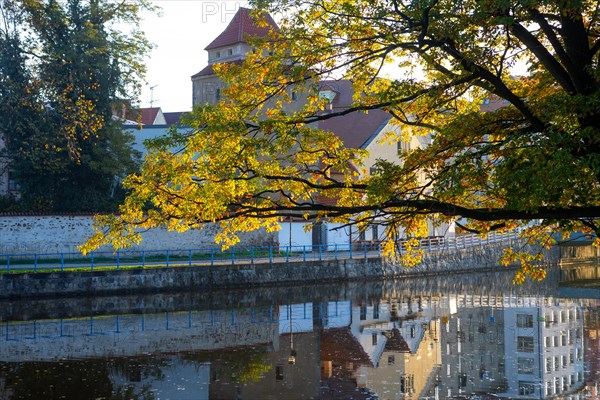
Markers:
(464, 336)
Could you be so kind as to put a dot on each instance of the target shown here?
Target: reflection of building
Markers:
(390, 350)
(592, 351)
(430, 347)
(407, 373)
(472, 344)
(547, 340)
(518, 347)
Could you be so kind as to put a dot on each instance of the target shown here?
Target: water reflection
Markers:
(387, 341)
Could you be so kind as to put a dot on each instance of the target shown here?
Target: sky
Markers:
(180, 33)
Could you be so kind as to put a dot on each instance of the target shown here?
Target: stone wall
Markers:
(208, 278)
(57, 233)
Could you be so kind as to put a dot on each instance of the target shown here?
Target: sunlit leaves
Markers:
(497, 151)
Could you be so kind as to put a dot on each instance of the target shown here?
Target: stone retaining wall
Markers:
(63, 233)
(203, 278)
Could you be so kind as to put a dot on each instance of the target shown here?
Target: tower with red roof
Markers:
(230, 46)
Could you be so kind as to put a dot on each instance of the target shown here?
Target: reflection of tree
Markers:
(80, 379)
(58, 380)
(241, 365)
(128, 393)
(136, 370)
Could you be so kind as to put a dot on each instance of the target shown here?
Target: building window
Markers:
(375, 232)
(403, 147)
(376, 311)
(525, 365)
(279, 372)
(218, 54)
(406, 383)
(500, 334)
(218, 94)
(363, 313)
(526, 388)
(525, 344)
(294, 95)
(391, 360)
(548, 341)
(374, 339)
(549, 364)
(13, 186)
(229, 52)
(462, 381)
(524, 321)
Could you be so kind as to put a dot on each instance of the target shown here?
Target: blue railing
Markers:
(237, 255)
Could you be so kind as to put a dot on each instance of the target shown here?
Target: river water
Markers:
(464, 336)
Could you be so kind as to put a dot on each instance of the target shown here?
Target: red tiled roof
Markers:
(340, 346)
(145, 116)
(356, 129)
(396, 342)
(208, 70)
(241, 26)
(149, 115)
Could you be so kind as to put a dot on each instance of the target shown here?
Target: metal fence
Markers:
(237, 255)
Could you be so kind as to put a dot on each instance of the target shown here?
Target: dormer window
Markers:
(329, 95)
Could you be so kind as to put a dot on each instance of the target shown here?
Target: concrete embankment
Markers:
(129, 281)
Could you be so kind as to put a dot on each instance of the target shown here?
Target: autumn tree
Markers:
(531, 163)
(64, 67)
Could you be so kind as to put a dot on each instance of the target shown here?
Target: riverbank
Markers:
(481, 284)
(268, 274)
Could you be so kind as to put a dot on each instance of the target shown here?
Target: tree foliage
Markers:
(255, 157)
(65, 65)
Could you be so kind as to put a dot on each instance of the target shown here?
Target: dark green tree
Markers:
(64, 68)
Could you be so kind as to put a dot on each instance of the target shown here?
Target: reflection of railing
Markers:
(62, 261)
(134, 334)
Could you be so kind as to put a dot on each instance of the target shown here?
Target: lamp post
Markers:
(292, 357)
